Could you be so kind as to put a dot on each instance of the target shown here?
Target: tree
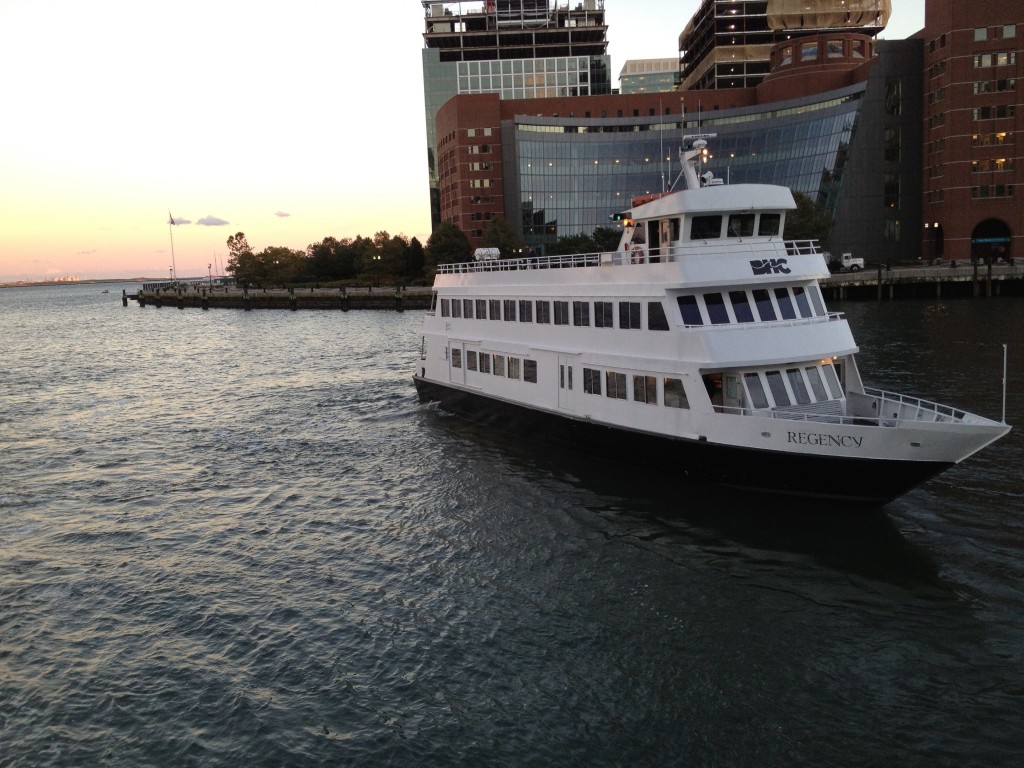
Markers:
(414, 260)
(446, 245)
(242, 263)
(499, 234)
(810, 221)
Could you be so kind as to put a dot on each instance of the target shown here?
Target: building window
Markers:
(893, 96)
(1010, 30)
(892, 231)
(980, 34)
(892, 191)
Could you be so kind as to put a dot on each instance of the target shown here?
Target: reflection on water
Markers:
(231, 538)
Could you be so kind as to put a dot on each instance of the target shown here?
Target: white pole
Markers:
(170, 231)
(1004, 381)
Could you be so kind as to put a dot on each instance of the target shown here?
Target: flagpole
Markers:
(170, 231)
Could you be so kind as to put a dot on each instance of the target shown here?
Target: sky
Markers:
(290, 122)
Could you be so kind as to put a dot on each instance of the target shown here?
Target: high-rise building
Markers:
(515, 48)
(974, 171)
(650, 76)
(728, 43)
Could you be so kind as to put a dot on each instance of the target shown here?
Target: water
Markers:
(232, 538)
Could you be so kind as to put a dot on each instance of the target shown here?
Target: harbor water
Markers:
(236, 538)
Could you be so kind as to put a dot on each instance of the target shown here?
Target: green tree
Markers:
(810, 221)
(500, 234)
(414, 260)
(446, 245)
(243, 264)
(606, 239)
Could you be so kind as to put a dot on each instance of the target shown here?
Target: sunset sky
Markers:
(290, 122)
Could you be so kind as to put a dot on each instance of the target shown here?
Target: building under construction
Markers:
(518, 49)
(728, 43)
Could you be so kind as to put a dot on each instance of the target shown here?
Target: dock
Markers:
(879, 283)
(231, 297)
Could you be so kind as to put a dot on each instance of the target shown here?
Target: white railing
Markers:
(638, 256)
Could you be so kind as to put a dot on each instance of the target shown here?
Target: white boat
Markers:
(702, 345)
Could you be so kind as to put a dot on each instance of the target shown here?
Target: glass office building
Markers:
(569, 174)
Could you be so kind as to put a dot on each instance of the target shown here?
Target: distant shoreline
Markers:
(97, 281)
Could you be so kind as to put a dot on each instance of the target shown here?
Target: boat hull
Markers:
(868, 482)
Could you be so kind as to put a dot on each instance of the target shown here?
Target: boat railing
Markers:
(526, 262)
(872, 408)
(724, 327)
(639, 255)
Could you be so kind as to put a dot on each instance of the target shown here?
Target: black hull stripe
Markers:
(865, 481)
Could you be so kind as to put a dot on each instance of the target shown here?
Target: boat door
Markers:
(457, 362)
(665, 240)
(566, 382)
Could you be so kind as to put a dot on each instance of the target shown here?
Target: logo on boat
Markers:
(826, 441)
(770, 267)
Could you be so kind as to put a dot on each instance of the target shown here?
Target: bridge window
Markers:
(716, 308)
(801, 302)
(691, 310)
(741, 306)
(785, 304)
(765, 308)
(777, 387)
(768, 226)
(706, 228)
(741, 225)
(756, 390)
(796, 381)
(656, 320)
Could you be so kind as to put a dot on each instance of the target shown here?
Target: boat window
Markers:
(592, 381)
(777, 387)
(656, 320)
(816, 301)
(581, 313)
(446, 308)
(817, 386)
(481, 309)
(467, 308)
(741, 225)
(755, 390)
(765, 309)
(603, 314)
(706, 227)
(509, 307)
(716, 308)
(456, 308)
(785, 304)
(530, 371)
(645, 389)
(513, 367)
(525, 311)
(616, 383)
(832, 380)
(801, 301)
(741, 306)
(470, 360)
(769, 224)
(676, 229)
(485, 362)
(796, 381)
(561, 312)
(456, 358)
(499, 365)
(495, 307)
(691, 310)
(675, 395)
(543, 311)
(629, 315)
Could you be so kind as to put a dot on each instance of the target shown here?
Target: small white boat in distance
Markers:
(702, 345)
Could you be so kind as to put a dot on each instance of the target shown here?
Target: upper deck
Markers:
(735, 261)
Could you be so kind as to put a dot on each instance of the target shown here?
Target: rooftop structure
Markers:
(727, 43)
(650, 76)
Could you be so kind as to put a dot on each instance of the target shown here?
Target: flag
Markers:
(170, 217)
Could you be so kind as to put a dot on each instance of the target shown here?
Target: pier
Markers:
(231, 297)
(935, 281)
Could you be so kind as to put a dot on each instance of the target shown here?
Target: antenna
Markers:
(1004, 381)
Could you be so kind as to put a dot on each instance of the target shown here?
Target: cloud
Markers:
(212, 221)
(282, 214)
